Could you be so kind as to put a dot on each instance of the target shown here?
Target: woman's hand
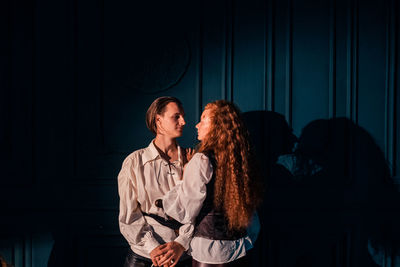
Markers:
(171, 253)
(189, 153)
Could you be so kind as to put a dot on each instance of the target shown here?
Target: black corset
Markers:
(211, 223)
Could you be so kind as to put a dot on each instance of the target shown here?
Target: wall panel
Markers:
(283, 58)
(372, 70)
(215, 41)
(53, 81)
(395, 6)
(89, 89)
(332, 59)
(249, 55)
(392, 89)
(17, 90)
(269, 20)
(342, 29)
(352, 61)
(311, 62)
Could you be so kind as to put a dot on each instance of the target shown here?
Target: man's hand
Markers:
(171, 253)
(156, 254)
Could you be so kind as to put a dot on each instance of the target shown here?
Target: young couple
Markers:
(207, 211)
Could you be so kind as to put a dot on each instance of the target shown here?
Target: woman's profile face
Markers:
(203, 127)
(171, 122)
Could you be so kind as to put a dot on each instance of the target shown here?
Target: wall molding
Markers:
(199, 65)
(352, 61)
(332, 60)
(269, 56)
(228, 67)
(289, 64)
(390, 85)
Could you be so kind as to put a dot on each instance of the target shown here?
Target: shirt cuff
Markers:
(151, 244)
(184, 241)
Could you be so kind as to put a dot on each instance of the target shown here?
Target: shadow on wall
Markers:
(271, 137)
(329, 196)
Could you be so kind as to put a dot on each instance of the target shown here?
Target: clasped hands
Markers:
(167, 254)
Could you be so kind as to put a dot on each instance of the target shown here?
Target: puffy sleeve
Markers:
(184, 201)
(132, 223)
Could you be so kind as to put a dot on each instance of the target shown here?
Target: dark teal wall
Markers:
(76, 78)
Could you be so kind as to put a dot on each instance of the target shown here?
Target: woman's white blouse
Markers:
(145, 177)
(184, 202)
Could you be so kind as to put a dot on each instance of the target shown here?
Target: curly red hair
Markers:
(237, 191)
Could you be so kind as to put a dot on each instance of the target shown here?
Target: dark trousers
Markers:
(242, 262)
(134, 260)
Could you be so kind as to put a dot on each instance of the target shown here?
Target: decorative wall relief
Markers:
(158, 64)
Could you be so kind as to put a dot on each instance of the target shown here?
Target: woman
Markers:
(146, 175)
(220, 192)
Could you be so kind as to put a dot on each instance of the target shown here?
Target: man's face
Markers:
(171, 122)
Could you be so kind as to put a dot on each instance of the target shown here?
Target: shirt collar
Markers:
(151, 153)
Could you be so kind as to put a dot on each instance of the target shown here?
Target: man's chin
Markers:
(178, 134)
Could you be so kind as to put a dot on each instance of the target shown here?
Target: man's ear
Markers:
(158, 118)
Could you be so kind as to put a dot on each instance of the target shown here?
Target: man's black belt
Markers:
(170, 223)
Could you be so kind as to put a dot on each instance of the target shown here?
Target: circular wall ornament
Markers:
(158, 64)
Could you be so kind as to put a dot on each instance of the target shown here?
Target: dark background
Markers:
(76, 78)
